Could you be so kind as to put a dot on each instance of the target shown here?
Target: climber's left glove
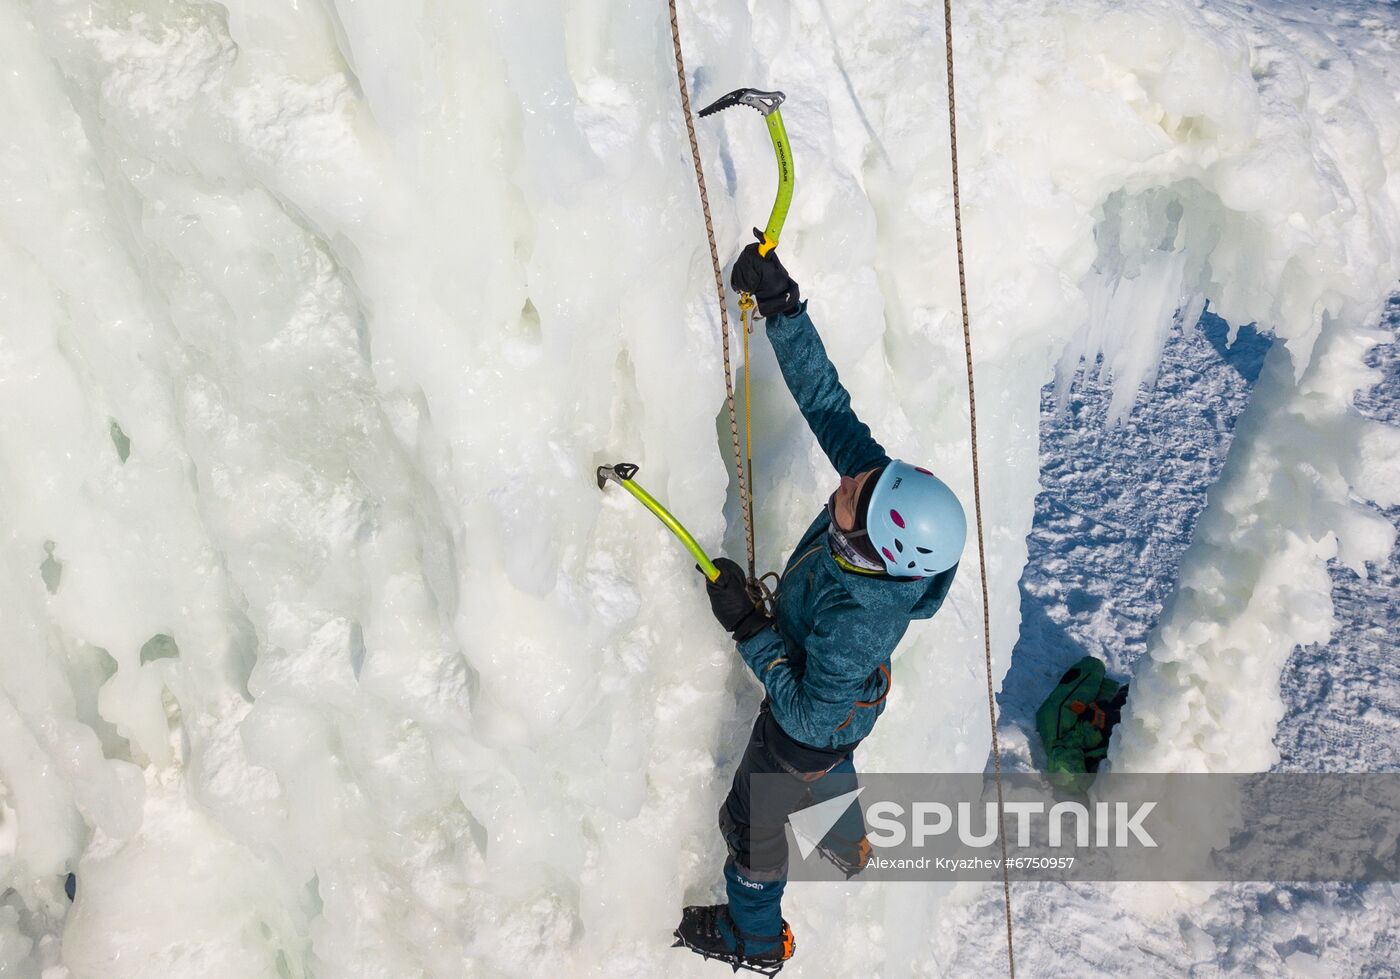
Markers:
(730, 601)
(765, 278)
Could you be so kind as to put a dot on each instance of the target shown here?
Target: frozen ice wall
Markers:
(1300, 485)
(321, 654)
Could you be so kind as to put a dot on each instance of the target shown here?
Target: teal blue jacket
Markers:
(825, 663)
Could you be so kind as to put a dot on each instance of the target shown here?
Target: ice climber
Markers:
(882, 553)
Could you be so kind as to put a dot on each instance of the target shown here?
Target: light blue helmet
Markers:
(915, 521)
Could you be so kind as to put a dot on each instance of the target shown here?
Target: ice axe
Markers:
(621, 473)
(766, 104)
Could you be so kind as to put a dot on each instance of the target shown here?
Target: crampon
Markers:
(700, 931)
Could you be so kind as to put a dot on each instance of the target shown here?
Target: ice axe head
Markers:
(617, 472)
(765, 103)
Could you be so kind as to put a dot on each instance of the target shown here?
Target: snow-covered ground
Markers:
(321, 654)
(1344, 696)
(1113, 518)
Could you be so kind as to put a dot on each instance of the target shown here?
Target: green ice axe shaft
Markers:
(622, 473)
(783, 201)
(766, 104)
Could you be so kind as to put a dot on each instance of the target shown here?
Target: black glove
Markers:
(766, 279)
(730, 601)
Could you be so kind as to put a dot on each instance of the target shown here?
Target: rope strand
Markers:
(745, 499)
(977, 485)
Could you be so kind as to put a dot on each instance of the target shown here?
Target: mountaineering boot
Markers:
(749, 932)
(710, 931)
(848, 858)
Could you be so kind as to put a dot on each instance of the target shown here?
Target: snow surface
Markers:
(320, 654)
(1116, 511)
(1343, 699)
(1113, 520)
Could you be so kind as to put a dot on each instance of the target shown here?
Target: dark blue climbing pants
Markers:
(756, 871)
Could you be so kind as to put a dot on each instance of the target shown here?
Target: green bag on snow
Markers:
(1075, 721)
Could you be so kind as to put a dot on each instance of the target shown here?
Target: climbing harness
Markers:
(977, 485)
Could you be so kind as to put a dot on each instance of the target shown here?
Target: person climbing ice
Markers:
(882, 553)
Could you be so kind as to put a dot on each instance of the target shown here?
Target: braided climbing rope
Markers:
(745, 498)
(977, 485)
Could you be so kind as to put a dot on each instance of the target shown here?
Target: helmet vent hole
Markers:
(923, 550)
(899, 545)
(886, 551)
(898, 520)
(922, 470)
(911, 564)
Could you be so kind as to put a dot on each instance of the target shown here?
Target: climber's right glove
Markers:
(730, 601)
(766, 279)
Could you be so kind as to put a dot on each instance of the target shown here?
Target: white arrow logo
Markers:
(810, 825)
